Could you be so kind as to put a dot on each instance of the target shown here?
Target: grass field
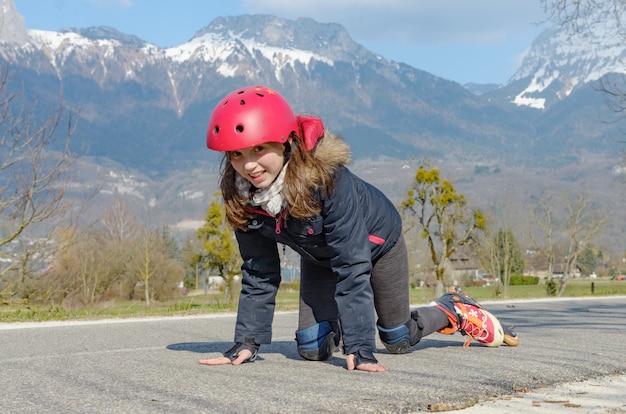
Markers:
(287, 299)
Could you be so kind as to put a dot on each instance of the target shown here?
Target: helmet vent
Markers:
(242, 102)
(239, 128)
(216, 130)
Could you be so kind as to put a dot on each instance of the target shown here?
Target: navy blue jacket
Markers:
(357, 225)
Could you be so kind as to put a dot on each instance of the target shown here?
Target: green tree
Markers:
(169, 241)
(221, 252)
(588, 260)
(442, 216)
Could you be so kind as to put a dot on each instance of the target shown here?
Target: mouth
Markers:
(256, 175)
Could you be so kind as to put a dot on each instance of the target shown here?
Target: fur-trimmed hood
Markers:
(332, 151)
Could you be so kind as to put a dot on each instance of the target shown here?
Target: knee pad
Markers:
(318, 342)
(400, 339)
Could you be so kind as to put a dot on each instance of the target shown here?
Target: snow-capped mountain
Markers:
(136, 98)
(146, 106)
(562, 60)
(226, 48)
(12, 30)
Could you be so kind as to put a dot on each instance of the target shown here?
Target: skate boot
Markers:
(510, 336)
(471, 319)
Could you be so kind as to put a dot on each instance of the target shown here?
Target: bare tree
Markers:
(152, 265)
(120, 222)
(583, 223)
(78, 275)
(191, 256)
(91, 266)
(31, 173)
(487, 251)
(143, 262)
(500, 251)
(123, 230)
(498, 248)
(544, 238)
(35, 162)
(579, 15)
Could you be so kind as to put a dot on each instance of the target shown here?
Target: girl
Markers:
(285, 180)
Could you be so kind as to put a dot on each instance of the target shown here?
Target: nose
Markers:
(249, 163)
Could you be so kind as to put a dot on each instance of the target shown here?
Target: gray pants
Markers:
(390, 284)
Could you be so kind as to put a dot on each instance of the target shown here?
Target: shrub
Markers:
(517, 280)
(551, 287)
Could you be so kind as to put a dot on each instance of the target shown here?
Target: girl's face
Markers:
(260, 164)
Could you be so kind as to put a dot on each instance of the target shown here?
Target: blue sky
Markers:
(460, 40)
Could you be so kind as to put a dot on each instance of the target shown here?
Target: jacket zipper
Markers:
(278, 218)
(279, 222)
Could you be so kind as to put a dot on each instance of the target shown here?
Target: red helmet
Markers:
(250, 116)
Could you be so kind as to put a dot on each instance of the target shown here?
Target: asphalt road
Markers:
(150, 365)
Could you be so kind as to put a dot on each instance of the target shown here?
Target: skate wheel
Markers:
(511, 340)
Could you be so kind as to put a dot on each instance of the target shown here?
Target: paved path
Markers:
(600, 395)
(150, 366)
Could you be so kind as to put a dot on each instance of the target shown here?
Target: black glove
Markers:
(364, 357)
(249, 344)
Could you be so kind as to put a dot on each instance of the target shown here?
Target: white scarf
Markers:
(270, 198)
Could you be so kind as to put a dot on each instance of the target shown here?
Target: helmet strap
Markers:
(287, 153)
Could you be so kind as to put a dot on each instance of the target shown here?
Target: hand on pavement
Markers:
(370, 367)
(243, 356)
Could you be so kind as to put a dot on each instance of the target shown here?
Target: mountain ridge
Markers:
(144, 109)
(366, 90)
(149, 97)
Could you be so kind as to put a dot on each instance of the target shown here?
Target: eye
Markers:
(259, 148)
(234, 155)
